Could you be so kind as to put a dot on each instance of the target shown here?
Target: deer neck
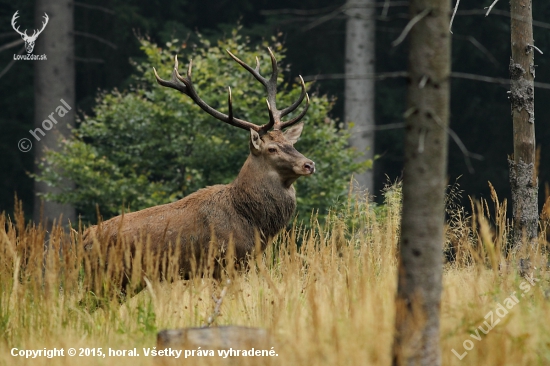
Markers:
(262, 197)
(254, 178)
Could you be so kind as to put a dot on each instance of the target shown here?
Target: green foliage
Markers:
(151, 145)
(146, 318)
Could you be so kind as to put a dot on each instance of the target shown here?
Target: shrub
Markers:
(151, 145)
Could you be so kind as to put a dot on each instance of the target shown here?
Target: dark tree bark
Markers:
(54, 80)
(523, 177)
(421, 243)
(359, 92)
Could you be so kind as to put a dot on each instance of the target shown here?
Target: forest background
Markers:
(313, 33)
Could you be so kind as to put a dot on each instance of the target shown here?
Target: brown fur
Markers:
(260, 201)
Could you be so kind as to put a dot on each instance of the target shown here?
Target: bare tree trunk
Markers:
(421, 243)
(359, 93)
(523, 175)
(54, 80)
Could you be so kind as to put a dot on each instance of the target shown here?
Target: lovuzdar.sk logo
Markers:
(29, 40)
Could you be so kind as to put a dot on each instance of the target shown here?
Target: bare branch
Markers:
(480, 47)
(92, 60)
(421, 139)
(406, 16)
(410, 25)
(296, 11)
(402, 74)
(491, 7)
(388, 126)
(423, 81)
(386, 9)
(483, 49)
(504, 14)
(94, 7)
(535, 48)
(467, 154)
(99, 39)
(343, 16)
(315, 12)
(11, 44)
(488, 79)
(453, 16)
(342, 9)
(387, 4)
(377, 76)
(326, 18)
(389, 29)
(541, 24)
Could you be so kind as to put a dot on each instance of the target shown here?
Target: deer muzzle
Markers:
(308, 167)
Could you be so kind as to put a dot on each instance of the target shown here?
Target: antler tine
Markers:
(13, 19)
(36, 32)
(45, 22)
(270, 86)
(189, 69)
(295, 119)
(254, 72)
(185, 85)
(295, 105)
(229, 103)
(173, 82)
(272, 122)
(275, 71)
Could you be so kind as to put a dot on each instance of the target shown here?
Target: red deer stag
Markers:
(257, 204)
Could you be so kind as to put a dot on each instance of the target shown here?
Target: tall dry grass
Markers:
(329, 301)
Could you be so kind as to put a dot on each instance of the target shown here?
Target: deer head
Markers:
(29, 40)
(276, 156)
(273, 149)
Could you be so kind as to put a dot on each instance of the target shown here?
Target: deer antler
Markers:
(36, 33)
(13, 19)
(185, 85)
(24, 34)
(270, 85)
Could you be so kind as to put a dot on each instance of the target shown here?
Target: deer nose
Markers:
(310, 166)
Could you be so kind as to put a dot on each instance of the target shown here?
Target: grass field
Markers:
(329, 303)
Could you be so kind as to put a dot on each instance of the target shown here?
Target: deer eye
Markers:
(272, 150)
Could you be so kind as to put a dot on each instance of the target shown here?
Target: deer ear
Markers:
(255, 142)
(293, 133)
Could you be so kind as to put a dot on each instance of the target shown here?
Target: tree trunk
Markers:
(359, 92)
(523, 175)
(54, 80)
(421, 243)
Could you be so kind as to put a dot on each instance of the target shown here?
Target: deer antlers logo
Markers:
(29, 40)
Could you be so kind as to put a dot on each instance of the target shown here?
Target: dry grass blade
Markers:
(320, 292)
